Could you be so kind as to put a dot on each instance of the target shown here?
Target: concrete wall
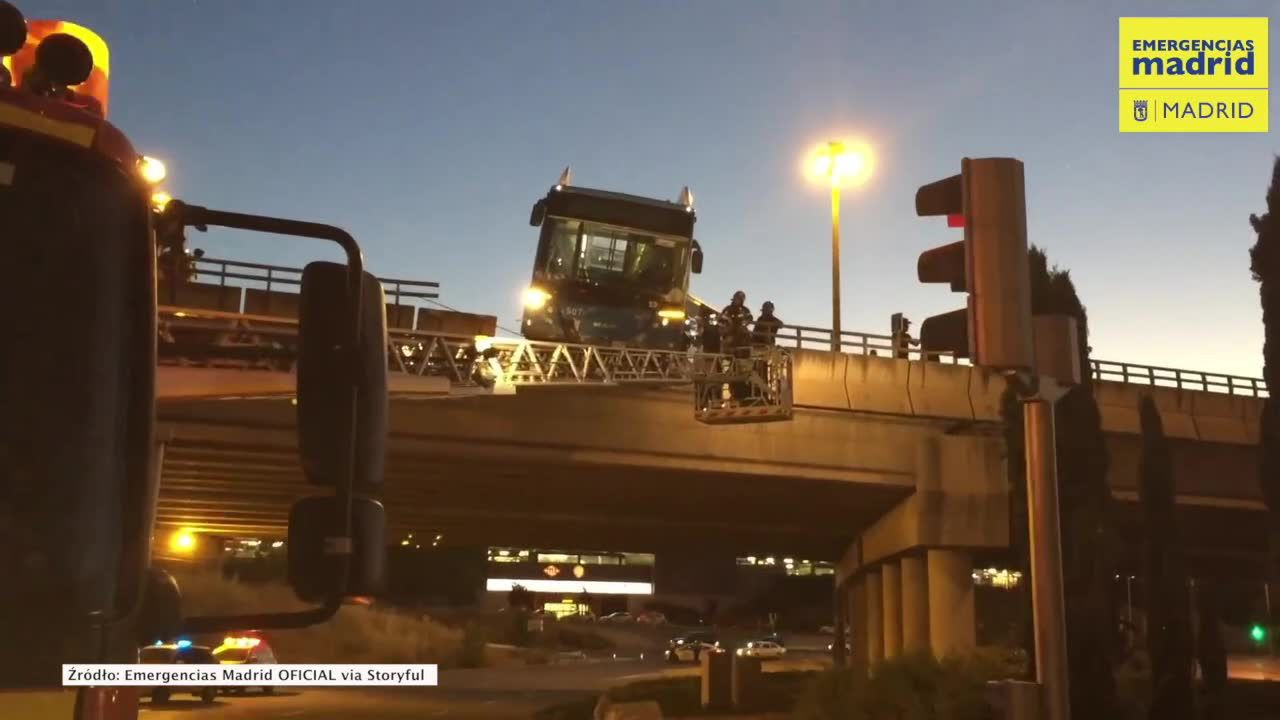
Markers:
(862, 383)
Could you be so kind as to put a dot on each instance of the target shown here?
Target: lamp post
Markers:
(838, 163)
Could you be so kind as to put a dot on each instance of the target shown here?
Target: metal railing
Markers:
(856, 343)
(432, 348)
(208, 270)
(207, 338)
(1182, 379)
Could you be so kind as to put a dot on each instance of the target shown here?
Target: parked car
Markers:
(652, 617)
(179, 653)
(617, 617)
(690, 647)
(763, 649)
(826, 630)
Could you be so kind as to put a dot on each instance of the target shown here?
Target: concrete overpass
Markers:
(894, 467)
(876, 444)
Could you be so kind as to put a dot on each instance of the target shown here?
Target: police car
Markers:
(245, 650)
(179, 653)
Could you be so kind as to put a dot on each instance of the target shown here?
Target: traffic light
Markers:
(1258, 633)
(990, 264)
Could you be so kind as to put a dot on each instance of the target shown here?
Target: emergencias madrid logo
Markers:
(1193, 74)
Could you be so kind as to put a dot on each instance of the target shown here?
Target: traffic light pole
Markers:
(836, 335)
(1048, 606)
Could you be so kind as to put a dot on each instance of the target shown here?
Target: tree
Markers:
(1264, 262)
(1084, 506)
(585, 600)
(520, 598)
(1211, 651)
(1168, 604)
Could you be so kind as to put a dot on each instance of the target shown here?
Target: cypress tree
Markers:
(1168, 603)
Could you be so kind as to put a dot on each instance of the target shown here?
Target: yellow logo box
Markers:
(1193, 74)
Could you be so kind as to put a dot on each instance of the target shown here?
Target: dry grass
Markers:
(356, 634)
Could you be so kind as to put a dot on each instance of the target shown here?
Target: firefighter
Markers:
(737, 321)
(902, 341)
(767, 326)
(709, 331)
(737, 340)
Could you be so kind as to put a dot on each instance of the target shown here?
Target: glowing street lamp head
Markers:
(182, 541)
(840, 163)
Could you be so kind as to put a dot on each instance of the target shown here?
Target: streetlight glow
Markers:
(840, 163)
(183, 541)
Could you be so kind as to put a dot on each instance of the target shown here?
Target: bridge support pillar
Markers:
(891, 585)
(874, 637)
(858, 615)
(915, 604)
(840, 653)
(951, 612)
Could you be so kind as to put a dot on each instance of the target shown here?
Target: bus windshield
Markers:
(604, 255)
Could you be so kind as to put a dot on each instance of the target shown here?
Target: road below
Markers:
(502, 693)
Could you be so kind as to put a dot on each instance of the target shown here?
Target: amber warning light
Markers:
(93, 71)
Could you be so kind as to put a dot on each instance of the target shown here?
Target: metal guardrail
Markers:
(208, 338)
(594, 363)
(812, 338)
(219, 270)
(1135, 374)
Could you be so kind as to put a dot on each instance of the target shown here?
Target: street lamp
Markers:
(183, 542)
(838, 163)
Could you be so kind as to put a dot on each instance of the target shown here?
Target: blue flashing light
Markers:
(159, 643)
(184, 643)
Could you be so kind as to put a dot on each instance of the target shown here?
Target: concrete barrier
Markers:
(647, 710)
(717, 680)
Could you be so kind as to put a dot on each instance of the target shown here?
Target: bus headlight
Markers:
(535, 298)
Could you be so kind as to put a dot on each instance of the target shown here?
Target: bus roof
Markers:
(615, 208)
(624, 197)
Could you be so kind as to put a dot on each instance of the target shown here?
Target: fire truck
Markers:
(78, 246)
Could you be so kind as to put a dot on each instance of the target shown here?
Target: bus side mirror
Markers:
(331, 422)
(538, 213)
(696, 264)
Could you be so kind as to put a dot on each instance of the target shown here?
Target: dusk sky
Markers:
(427, 129)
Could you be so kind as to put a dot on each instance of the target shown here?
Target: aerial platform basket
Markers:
(743, 390)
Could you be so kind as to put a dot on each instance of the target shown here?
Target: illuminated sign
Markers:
(595, 587)
(579, 571)
(551, 571)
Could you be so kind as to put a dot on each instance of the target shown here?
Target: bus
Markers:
(611, 269)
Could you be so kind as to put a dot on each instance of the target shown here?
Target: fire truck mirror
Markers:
(696, 262)
(315, 553)
(161, 616)
(331, 424)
